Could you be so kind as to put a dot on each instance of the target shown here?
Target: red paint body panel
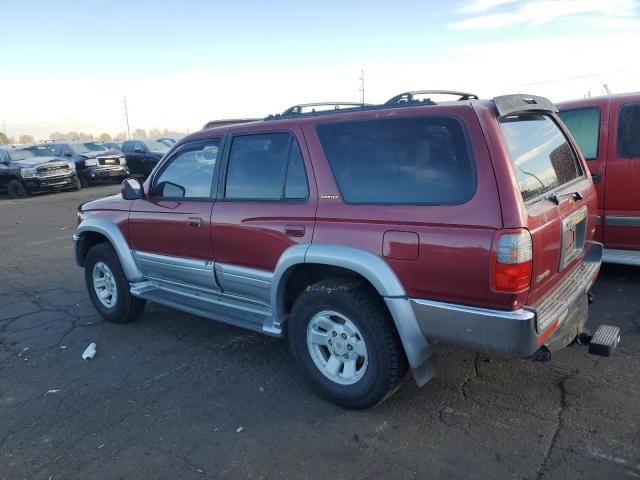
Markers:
(255, 234)
(168, 228)
(397, 245)
(618, 189)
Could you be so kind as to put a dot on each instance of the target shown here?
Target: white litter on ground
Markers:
(90, 352)
(52, 391)
(239, 429)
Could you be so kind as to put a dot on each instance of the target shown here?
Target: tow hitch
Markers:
(601, 343)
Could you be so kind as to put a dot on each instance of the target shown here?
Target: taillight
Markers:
(512, 259)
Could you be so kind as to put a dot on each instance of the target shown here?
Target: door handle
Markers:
(595, 177)
(294, 230)
(195, 222)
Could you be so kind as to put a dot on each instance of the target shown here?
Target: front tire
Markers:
(345, 342)
(108, 287)
(16, 189)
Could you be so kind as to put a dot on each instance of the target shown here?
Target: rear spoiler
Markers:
(519, 103)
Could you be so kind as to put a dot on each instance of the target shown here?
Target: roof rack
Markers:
(410, 97)
(297, 109)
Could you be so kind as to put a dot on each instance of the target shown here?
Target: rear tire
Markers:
(345, 342)
(108, 286)
(84, 183)
(16, 189)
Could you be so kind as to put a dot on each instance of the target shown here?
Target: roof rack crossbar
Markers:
(410, 97)
(297, 109)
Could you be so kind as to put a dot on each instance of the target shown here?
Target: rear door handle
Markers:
(195, 222)
(294, 230)
(595, 177)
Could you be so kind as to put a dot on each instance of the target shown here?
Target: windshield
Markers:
(155, 145)
(88, 147)
(541, 154)
(26, 153)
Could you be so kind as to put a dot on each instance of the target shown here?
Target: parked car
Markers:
(113, 145)
(369, 234)
(143, 155)
(27, 170)
(93, 161)
(607, 129)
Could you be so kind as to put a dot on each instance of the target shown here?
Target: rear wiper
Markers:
(556, 198)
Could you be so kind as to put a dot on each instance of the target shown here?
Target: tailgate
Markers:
(559, 200)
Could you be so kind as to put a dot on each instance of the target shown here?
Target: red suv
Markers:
(607, 129)
(368, 233)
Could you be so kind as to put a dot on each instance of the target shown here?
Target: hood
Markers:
(112, 202)
(35, 161)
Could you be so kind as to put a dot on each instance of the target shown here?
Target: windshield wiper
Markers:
(555, 198)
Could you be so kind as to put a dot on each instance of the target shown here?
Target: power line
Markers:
(126, 116)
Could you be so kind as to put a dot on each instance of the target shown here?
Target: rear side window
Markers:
(584, 125)
(629, 131)
(410, 161)
(266, 167)
(541, 154)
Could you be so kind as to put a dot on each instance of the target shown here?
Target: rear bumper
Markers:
(519, 333)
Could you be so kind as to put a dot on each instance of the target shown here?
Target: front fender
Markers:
(113, 234)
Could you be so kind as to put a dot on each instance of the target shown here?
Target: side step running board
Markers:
(622, 257)
(211, 306)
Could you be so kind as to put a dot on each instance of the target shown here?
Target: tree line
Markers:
(73, 135)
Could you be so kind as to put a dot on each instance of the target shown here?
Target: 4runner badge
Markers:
(543, 275)
(329, 197)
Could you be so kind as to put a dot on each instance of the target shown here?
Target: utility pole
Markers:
(126, 116)
(361, 89)
(606, 88)
(4, 127)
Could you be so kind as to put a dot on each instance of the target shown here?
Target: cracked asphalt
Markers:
(174, 396)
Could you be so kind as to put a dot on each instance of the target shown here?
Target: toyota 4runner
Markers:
(368, 234)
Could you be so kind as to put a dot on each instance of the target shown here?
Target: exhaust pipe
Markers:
(543, 354)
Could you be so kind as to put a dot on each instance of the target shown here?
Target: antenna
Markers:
(361, 89)
(126, 116)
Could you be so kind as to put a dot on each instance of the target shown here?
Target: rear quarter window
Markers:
(541, 154)
(403, 161)
(584, 125)
(629, 131)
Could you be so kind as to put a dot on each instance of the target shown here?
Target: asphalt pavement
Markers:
(173, 396)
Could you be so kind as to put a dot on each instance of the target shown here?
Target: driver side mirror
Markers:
(131, 189)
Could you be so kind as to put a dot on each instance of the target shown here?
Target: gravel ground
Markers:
(174, 396)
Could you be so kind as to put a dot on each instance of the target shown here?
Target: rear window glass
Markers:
(411, 161)
(541, 154)
(584, 125)
(629, 131)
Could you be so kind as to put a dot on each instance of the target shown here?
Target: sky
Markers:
(66, 66)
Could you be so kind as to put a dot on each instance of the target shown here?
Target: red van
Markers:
(607, 130)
